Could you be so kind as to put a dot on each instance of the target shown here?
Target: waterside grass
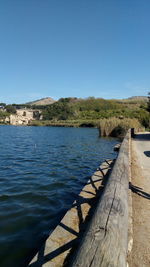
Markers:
(66, 123)
(107, 127)
(118, 127)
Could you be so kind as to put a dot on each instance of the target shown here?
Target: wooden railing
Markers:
(106, 239)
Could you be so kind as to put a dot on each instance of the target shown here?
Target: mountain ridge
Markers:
(49, 100)
(42, 102)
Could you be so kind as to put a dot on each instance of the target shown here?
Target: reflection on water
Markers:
(42, 170)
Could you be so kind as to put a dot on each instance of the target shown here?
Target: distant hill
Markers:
(48, 100)
(42, 102)
(138, 98)
(134, 100)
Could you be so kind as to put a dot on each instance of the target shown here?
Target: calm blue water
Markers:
(42, 170)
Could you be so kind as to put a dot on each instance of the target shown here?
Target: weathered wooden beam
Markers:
(105, 241)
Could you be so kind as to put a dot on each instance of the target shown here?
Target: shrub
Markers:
(118, 127)
(148, 104)
(11, 109)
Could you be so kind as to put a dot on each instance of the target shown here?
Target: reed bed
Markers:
(66, 123)
(116, 127)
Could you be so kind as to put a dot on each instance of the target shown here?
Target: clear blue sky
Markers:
(62, 48)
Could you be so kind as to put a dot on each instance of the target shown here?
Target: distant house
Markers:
(25, 116)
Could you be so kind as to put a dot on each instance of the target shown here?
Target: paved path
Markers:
(140, 186)
(142, 142)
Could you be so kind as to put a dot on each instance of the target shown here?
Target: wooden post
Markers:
(132, 132)
(105, 241)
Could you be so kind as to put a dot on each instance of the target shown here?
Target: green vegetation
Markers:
(10, 109)
(61, 110)
(2, 105)
(118, 127)
(90, 112)
(66, 123)
(114, 117)
(148, 104)
(3, 115)
(91, 109)
(148, 109)
(5, 111)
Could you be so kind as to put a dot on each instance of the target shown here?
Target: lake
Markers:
(42, 171)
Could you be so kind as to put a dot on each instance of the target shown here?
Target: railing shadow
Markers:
(138, 191)
(72, 245)
(142, 137)
(147, 153)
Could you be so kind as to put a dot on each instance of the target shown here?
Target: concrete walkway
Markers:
(140, 186)
(142, 142)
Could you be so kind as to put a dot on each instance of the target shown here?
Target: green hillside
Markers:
(93, 109)
(86, 112)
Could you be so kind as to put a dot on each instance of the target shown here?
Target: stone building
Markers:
(24, 116)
